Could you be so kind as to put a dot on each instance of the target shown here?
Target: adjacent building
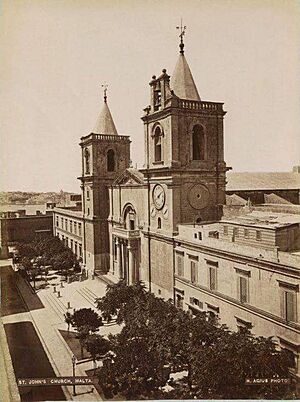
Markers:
(68, 226)
(16, 226)
(265, 187)
(245, 271)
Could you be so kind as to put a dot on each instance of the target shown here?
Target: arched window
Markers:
(157, 144)
(159, 223)
(111, 161)
(198, 144)
(130, 218)
(87, 161)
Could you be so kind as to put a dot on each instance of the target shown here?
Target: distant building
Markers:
(18, 227)
(296, 169)
(265, 187)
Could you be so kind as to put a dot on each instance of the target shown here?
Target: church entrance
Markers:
(126, 259)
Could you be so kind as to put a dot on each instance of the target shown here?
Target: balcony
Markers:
(125, 233)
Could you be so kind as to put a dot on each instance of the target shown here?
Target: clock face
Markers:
(198, 196)
(159, 196)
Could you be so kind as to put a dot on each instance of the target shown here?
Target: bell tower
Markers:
(105, 154)
(184, 150)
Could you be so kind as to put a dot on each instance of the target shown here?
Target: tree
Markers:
(85, 321)
(156, 338)
(25, 266)
(48, 246)
(134, 371)
(221, 369)
(97, 346)
(50, 251)
(145, 350)
(34, 272)
(68, 319)
(116, 299)
(26, 263)
(64, 262)
(25, 250)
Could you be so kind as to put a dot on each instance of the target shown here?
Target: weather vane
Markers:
(181, 35)
(105, 86)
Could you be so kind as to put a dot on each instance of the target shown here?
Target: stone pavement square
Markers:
(49, 319)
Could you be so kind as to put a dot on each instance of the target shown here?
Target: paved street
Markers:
(24, 344)
(30, 360)
(46, 313)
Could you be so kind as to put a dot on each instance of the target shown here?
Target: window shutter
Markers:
(212, 278)
(282, 303)
(193, 272)
(243, 290)
(179, 265)
(290, 306)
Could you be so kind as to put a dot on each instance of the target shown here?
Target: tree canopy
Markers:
(48, 251)
(158, 339)
(85, 321)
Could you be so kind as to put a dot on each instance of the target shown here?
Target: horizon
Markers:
(79, 192)
(56, 56)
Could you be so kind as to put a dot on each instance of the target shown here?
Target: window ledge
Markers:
(158, 163)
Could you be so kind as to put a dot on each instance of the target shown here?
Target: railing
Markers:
(199, 105)
(128, 234)
(107, 137)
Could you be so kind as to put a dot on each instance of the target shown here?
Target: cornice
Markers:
(255, 262)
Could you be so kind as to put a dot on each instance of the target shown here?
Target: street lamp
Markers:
(74, 362)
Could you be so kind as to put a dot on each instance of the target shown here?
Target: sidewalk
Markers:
(47, 322)
(8, 387)
(50, 319)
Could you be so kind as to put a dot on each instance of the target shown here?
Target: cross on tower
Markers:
(181, 35)
(105, 86)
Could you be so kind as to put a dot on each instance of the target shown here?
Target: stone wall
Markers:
(24, 229)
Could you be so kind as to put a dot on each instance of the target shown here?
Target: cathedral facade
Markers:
(183, 180)
(130, 216)
(163, 224)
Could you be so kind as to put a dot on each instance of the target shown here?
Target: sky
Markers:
(55, 54)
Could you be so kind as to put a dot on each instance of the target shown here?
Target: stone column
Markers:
(119, 262)
(131, 276)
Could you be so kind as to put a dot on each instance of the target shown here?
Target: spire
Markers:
(105, 124)
(182, 81)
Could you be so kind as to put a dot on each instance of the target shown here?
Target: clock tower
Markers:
(184, 166)
(105, 154)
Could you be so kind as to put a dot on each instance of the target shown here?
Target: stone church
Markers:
(131, 216)
(164, 224)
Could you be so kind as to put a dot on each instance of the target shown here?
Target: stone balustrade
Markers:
(106, 137)
(125, 233)
(199, 105)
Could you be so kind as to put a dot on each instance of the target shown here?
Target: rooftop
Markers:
(70, 211)
(264, 219)
(262, 181)
(190, 234)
